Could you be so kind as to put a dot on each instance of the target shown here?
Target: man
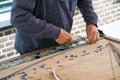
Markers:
(42, 23)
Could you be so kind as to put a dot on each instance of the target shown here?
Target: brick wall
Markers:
(108, 12)
(7, 37)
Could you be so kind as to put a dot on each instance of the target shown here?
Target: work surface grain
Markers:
(82, 63)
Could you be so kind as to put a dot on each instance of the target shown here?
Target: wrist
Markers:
(92, 24)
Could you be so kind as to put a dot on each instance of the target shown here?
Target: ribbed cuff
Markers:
(54, 32)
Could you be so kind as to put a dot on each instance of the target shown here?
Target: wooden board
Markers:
(92, 66)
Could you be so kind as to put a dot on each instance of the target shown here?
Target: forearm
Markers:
(87, 10)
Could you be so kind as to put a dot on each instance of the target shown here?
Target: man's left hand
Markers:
(92, 33)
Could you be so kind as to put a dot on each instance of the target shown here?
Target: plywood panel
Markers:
(74, 65)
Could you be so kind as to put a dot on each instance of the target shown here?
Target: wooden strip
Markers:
(112, 39)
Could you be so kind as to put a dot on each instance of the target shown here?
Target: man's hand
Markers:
(92, 33)
(64, 37)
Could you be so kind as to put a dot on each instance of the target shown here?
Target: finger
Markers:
(65, 39)
(90, 38)
(59, 41)
(95, 37)
(71, 40)
(98, 37)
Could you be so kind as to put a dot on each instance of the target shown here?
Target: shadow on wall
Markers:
(117, 1)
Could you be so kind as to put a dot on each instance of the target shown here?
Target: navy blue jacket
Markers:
(38, 22)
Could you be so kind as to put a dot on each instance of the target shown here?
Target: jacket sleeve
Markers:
(87, 10)
(23, 19)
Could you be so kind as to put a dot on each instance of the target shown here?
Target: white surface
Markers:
(5, 19)
(4, 16)
(112, 29)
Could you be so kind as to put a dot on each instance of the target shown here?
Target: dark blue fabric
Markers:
(38, 23)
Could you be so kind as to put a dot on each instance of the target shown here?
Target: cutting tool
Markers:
(116, 52)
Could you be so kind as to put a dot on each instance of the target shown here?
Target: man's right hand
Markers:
(64, 37)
